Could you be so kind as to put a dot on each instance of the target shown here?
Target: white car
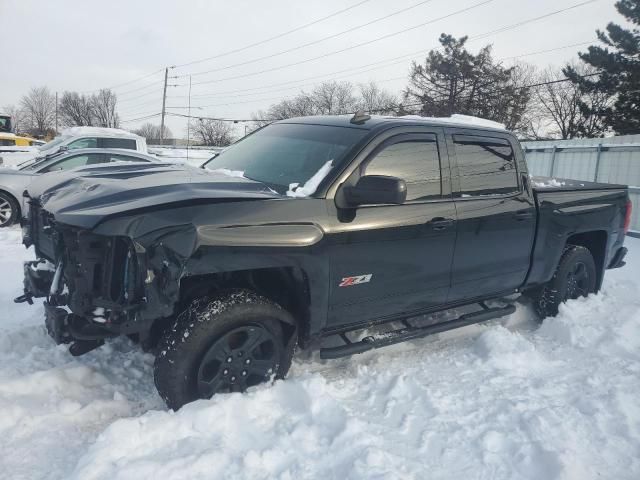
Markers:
(80, 137)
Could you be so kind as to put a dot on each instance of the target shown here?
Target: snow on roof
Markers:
(101, 131)
(458, 119)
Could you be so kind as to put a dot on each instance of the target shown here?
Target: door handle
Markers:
(440, 223)
(523, 215)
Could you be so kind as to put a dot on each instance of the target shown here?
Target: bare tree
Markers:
(373, 99)
(565, 107)
(104, 109)
(76, 110)
(39, 109)
(17, 118)
(333, 98)
(152, 132)
(211, 132)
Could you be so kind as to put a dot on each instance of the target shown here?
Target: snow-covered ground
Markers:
(506, 400)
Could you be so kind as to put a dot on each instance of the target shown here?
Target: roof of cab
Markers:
(98, 131)
(376, 120)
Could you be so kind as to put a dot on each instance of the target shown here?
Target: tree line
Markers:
(36, 113)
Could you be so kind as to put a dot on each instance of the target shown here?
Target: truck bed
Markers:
(546, 184)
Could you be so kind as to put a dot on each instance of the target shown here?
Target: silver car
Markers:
(14, 182)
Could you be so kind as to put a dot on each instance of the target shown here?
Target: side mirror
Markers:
(63, 148)
(376, 189)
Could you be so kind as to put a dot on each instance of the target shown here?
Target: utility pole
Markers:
(164, 100)
(56, 114)
(189, 121)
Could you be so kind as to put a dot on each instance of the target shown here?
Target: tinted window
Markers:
(127, 143)
(84, 143)
(486, 166)
(73, 162)
(282, 154)
(416, 162)
(7, 143)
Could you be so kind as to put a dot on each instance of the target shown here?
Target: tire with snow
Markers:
(220, 344)
(575, 277)
(9, 210)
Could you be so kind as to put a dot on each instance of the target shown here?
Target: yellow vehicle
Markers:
(12, 140)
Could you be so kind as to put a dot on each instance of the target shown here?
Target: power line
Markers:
(500, 30)
(417, 104)
(314, 42)
(531, 20)
(384, 37)
(125, 83)
(275, 37)
(333, 75)
(140, 118)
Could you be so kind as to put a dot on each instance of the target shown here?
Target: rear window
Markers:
(127, 143)
(486, 166)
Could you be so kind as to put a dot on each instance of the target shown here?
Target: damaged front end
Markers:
(95, 286)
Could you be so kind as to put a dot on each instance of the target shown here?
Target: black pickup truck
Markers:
(306, 229)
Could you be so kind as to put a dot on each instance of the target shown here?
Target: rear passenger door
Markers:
(389, 260)
(495, 212)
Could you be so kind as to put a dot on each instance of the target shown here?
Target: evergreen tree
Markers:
(618, 64)
(453, 80)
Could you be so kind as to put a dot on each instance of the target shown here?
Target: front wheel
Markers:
(9, 210)
(223, 344)
(575, 277)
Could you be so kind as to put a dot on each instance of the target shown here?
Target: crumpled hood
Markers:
(85, 196)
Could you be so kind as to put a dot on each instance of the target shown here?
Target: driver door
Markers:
(395, 260)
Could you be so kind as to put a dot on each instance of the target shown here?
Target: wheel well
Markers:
(18, 209)
(286, 286)
(596, 243)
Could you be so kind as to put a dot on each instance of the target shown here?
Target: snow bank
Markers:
(504, 400)
(310, 185)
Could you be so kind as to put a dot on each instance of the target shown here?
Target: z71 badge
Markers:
(358, 279)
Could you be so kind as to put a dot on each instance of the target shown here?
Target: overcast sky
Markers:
(84, 45)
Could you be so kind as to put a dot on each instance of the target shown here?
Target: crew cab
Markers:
(305, 232)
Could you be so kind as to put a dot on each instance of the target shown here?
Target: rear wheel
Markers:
(575, 277)
(9, 210)
(223, 344)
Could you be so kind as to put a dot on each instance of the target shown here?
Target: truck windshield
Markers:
(282, 154)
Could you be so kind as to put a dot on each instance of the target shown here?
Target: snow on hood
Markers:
(310, 185)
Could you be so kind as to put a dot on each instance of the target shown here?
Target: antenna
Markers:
(360, 117)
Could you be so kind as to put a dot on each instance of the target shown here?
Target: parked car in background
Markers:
(80, 137)
(14, 182)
